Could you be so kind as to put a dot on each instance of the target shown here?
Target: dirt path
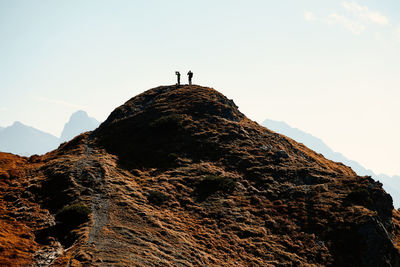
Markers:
(100, 205)
(88, 168)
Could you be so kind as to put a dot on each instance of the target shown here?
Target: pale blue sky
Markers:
(328, 67)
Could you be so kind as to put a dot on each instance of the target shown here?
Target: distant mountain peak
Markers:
(79, 114)
(18, 124)
(78, 123)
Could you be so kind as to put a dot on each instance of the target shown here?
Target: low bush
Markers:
(157, 197)
(212, 184)
(73, 215)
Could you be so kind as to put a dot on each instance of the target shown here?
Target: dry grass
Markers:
(288, 211)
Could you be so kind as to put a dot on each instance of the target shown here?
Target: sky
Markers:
(330, 68)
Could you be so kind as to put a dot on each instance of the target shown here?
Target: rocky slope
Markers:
(177, 176)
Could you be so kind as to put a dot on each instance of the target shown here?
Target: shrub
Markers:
(73, 215)
(157, 197)
(170, 121)
(211, 184)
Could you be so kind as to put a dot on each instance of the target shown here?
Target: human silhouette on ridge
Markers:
(190, 75)
(178, 76)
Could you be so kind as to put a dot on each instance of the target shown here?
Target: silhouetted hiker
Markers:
(190, 75)
(178, 76)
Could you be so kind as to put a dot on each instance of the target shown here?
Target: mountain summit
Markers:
(178, 176)
(79, 122)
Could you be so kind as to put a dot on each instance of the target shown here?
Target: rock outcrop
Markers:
(178, 176)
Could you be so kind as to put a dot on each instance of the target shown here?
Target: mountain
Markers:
(79, 123)
(178, 176)
(25, 140)
(391, 184)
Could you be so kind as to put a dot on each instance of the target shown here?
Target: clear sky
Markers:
(330, 68)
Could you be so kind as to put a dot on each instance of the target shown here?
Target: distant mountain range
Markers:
(390, 183)
(25, 140)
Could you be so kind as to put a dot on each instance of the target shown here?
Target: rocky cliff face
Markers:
(178, 176)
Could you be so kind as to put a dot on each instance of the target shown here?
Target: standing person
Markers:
(190, 75)
(178, 76)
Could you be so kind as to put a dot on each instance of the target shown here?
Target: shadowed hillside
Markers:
(178, 176)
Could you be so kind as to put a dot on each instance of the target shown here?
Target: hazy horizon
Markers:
(329, 68)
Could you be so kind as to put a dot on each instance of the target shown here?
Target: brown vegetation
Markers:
(178, 176)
